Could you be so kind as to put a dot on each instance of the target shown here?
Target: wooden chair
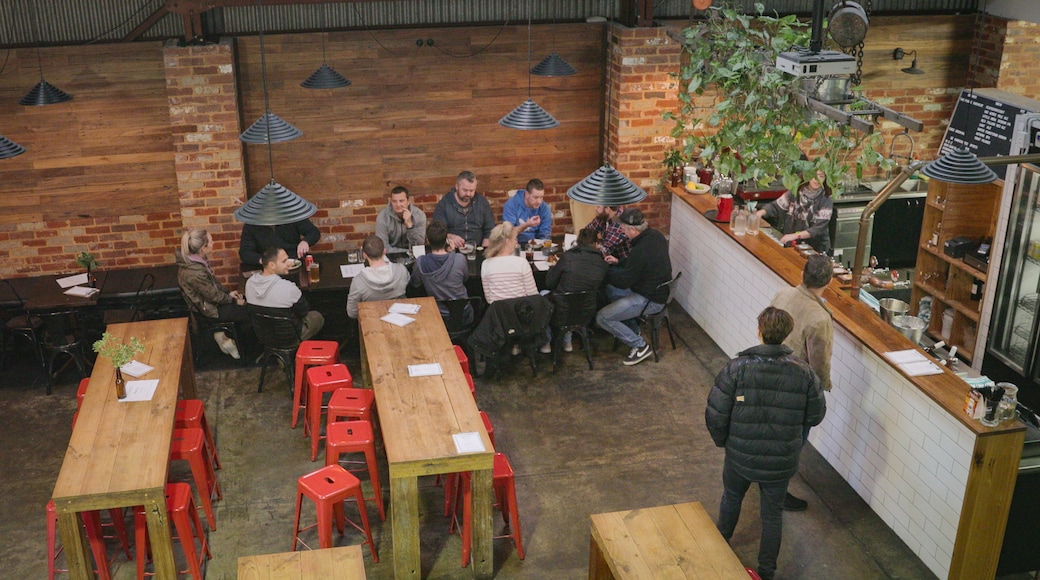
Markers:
(280, 336)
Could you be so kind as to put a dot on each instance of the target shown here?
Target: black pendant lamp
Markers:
(606, 186)
(959, 166)
(325, 77)
(43, 93)
(553, 65)
(529, 116)
(269, 128)
(9, 149)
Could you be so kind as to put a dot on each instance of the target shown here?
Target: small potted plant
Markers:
(86, 260)
(118, 354)
(675, 161)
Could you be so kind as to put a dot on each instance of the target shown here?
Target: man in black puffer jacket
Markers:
(757, 409)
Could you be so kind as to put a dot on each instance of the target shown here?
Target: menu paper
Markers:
(398, 319)
(136, 369)
(905, 356)
(913, 363)
(137, 391)
(468, 442)
(542, 266)
(569, 241)
(81, 291)
(404, 308)
(76, 280)
(425, 370)
(351, 270)
(418, 251)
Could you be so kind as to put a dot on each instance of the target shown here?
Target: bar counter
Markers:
(940, 480)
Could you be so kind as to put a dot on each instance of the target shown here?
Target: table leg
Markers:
(598, 568)
(366, 373)
(74, 538)
(483, 523)
(187, 379)
(404, 517)
(159, 533)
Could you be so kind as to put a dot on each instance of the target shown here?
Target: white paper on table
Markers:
(140, 390)
(920, 368)
(468, 442)
(418, 251)
(569, 240)
(136, 369)
(81, 291)
(351, 270)
(398, 319)
(404, 308)
(905, 356)
(74, 280)
(542, 266)
(425, 370)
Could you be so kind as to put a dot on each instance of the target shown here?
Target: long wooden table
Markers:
(418, 417)
(119, 453)
(671, 541)
(342, 563)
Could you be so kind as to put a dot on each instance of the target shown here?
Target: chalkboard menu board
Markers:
(983, 123)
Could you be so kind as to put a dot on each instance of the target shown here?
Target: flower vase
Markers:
(120, 385)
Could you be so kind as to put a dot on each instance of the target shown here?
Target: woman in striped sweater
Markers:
(503, 274)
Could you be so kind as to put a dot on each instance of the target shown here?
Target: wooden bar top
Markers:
(672, 541)
(342, 563)
(946, 389)
(119, 448)
(419, 415)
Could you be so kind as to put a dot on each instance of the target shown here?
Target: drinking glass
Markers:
(740, 222)
(314, 272)
(753, 223)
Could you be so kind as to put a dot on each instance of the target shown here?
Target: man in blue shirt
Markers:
(526, 210)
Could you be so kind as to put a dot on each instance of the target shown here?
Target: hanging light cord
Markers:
(529, 49)
(267, 103)
(975, 56)
(36, 40)
(324, 30)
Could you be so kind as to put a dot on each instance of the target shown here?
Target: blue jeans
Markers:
(772, 513)
(619, 317)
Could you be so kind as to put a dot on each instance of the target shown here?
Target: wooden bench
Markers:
(343, 563)
(672, 541)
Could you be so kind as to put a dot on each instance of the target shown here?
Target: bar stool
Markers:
(463, 359)
(185, 519)
(311, 353)
(355, 437)
(82, 391)
(451, 480)
(505, 493)
(328, 487)
(192, 413)
(190, 445)
(352, 404)
(95, 537)
(320, 380)
(472, 386)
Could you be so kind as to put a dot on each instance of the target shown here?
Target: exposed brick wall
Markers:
(1020, 61)
(991, 51)
(200, 82)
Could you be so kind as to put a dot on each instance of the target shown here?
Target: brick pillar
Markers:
(1020, 60)
(640, 89)
(991, 51)
(204, 117)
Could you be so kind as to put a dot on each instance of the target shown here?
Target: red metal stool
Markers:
(505, 494)
(95, 536)
(752, 574)
(451, 480)
(185, 519)
(472, 386)
(488, 427)
(352, 404)
(190, 445)
(311, 353)
(463, 359)
(355, 437)
(328, 487)
(320, 380)
(82, 391)
(192, 413)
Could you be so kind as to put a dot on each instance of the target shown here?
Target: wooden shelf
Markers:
(930, 203)
(963, 352)
(968, 309)
(955, 262)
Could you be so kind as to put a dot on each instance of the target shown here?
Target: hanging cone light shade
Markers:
(9, 148)
(960, 166)
(274, 205)
(529, 117)
(325, 78)
(553, 66)
(606, 186)
(272, 124)
(45, 93)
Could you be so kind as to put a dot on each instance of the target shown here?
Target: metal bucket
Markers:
(892, 307)
(910, 326)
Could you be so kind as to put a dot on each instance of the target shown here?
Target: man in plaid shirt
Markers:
(613, 240)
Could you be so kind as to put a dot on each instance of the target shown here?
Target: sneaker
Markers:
(546, 348)
(516, 350)
(568, 347)
(794, 504)
(228, 346)
(638, 355)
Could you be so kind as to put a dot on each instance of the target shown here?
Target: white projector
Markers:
(823, 63)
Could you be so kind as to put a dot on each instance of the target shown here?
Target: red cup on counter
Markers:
(725, 208)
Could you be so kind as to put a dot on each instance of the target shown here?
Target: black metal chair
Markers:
(455, 322)
(573, 312)
(202, 328)
(279, 334)
(17, 322)
(653, 321)
(514, 321)
(62, 334)
(135, 312)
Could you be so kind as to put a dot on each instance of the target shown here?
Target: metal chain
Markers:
(857, 51)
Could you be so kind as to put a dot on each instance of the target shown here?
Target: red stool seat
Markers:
(472, 386)
(355, 437)
(185, 519)
(95, 537)
(328, 487)
(463, 359)
(190, 445)
(505, 493)
(352, 404)
(311, 353)
(81, 392)
(192, 413)
(320, 380)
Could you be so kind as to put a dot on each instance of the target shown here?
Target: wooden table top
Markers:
(672, 541)
(118, 449)
(342, 563)
(419, 415)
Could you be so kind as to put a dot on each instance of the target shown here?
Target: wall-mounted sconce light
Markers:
(899, 53)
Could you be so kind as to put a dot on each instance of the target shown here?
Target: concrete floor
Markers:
(580, 442)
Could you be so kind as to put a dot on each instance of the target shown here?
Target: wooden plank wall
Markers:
(416, 116)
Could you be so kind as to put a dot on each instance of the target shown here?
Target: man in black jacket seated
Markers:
(635, 286)
(757, 409)
(580, 268)
(295, 238)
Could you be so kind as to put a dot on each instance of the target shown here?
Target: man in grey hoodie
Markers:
(401, 225)
(267, 288)
(381, 280)
(441, 273)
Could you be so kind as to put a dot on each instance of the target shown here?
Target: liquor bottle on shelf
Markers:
(976, 289)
